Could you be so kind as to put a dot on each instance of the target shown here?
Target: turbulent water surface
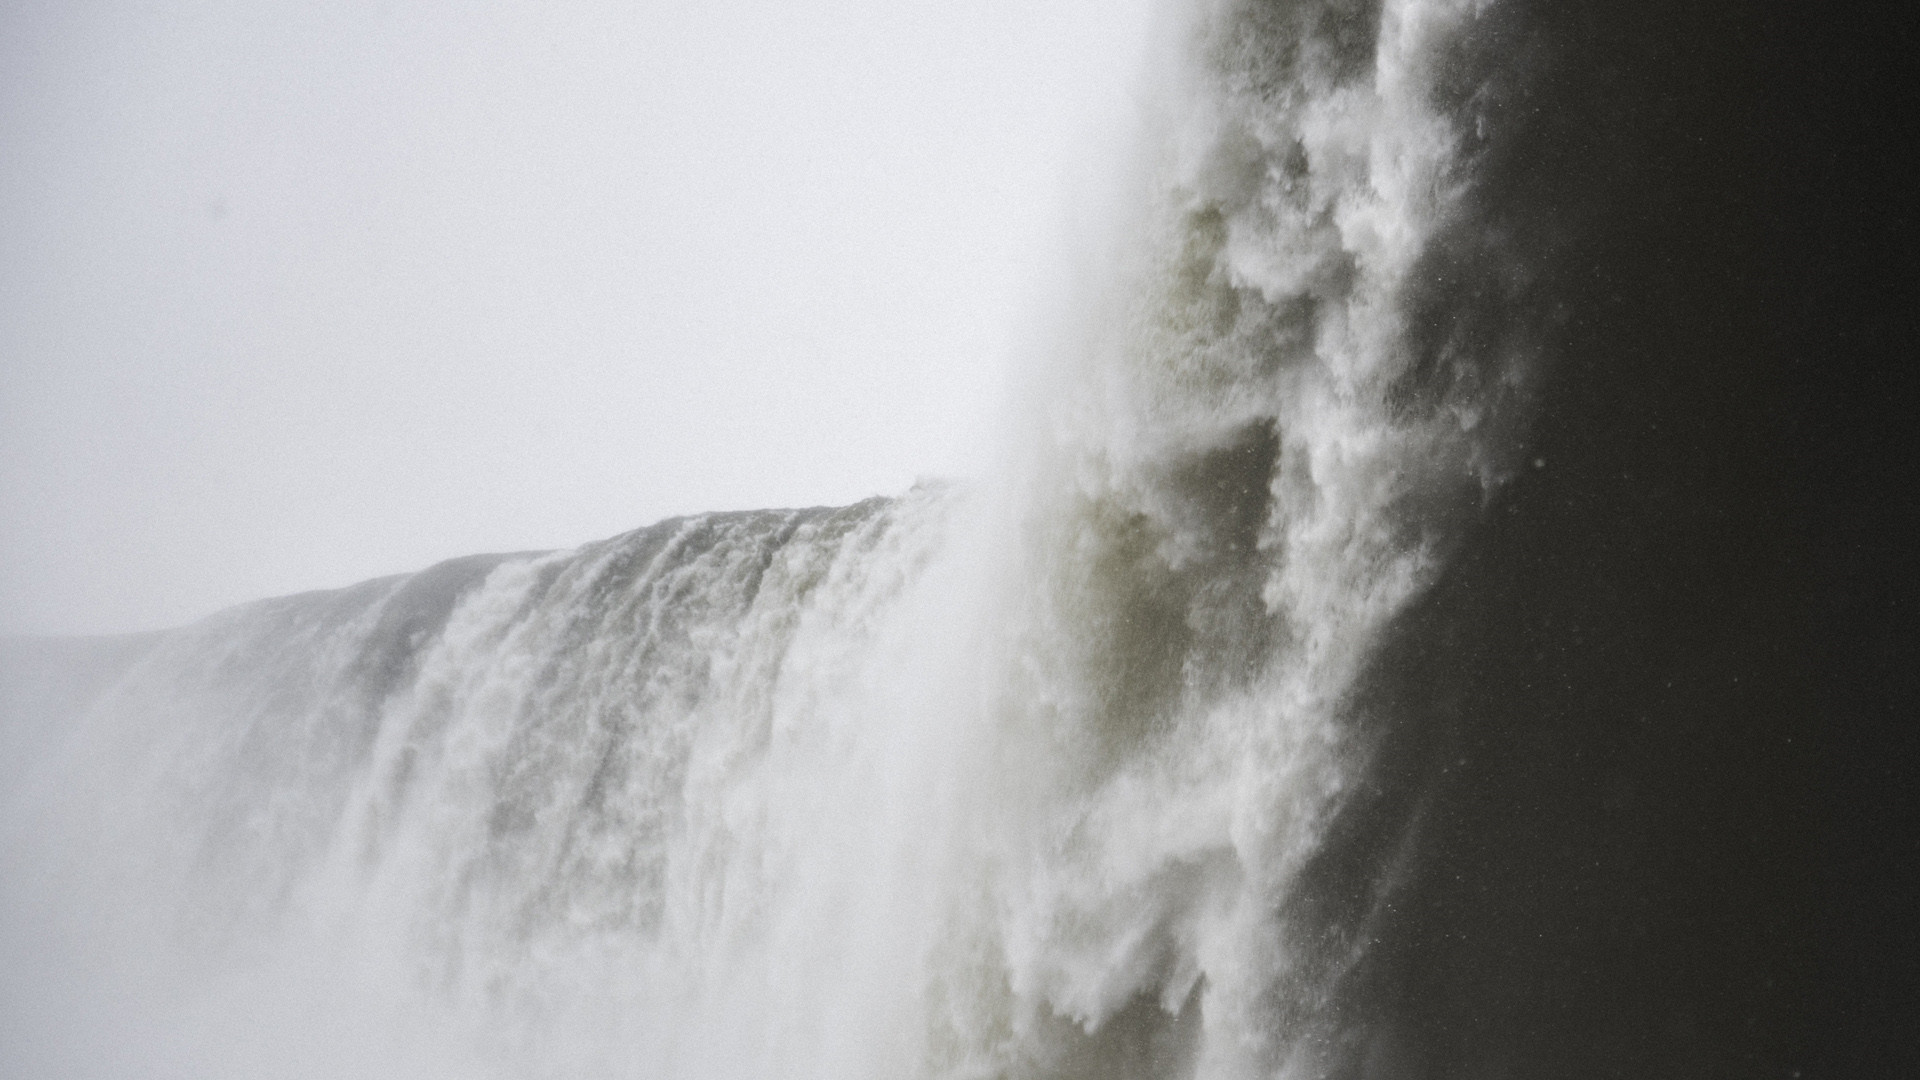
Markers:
(1164, 752)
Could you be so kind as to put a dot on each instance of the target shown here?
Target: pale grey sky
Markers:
(296, 294)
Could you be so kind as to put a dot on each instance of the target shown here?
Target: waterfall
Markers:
(1025, 777)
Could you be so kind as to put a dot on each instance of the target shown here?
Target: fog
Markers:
(293, 296)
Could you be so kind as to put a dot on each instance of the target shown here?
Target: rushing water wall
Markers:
(1170, 751)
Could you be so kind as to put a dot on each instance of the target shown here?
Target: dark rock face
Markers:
(1653, 735)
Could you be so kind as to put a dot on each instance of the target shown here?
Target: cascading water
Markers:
(1019, 779)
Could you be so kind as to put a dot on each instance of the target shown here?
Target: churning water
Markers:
(1022, 778)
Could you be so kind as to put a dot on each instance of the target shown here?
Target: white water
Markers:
(1011, 780)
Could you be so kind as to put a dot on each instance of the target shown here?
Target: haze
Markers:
(294, 295)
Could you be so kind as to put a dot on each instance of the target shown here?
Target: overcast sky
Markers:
(296, 294)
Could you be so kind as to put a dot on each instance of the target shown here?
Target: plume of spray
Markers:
(1261, 449)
